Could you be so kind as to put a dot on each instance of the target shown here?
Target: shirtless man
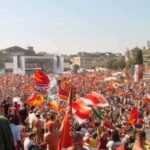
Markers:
(51, 137)
(37, 129)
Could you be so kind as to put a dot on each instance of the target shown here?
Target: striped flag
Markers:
(96, 99)
(82, 108)
(138, 72)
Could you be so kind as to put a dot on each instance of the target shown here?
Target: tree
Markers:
(115, 63)
(121, 64)
(2, 64)
(139, 57)
(130, 62)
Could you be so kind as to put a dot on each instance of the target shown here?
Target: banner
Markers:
(41, 81)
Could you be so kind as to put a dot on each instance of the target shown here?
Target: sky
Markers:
(71, 26)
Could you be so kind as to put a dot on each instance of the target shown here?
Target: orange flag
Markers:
(133, 116)
(54, 105)
(36, 100)
(66, 139)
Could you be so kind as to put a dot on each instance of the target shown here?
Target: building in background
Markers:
(146, 57)
(146, 62)
(26, 61)
(29, 64)
(93, 60)
(130, 54)
(67, 63)
(85, 60)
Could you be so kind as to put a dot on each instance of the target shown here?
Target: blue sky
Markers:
(70, 26)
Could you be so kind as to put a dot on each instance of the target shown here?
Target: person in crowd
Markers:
(23, 112)
(46, 122)
(6, 136)
(51, 138)
(77, 142)
(15, 131)
(114, 142)
(29, 143)
(102, 141)
(140, 141)
(6, 106)
(30, 118)
(37, 128)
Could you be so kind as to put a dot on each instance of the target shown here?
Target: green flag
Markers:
(97, 114)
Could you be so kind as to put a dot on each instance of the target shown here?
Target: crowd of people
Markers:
(30, 127)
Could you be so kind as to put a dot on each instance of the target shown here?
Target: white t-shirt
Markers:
(111, 144)
(32, 117)
(27, 143)
(16, 133)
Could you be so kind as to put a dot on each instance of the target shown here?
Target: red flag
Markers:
(41, 79)
(133, 116)
(66, 139)
(107, 125)
(63, 91)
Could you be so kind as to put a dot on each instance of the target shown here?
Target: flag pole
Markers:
(66, 139)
